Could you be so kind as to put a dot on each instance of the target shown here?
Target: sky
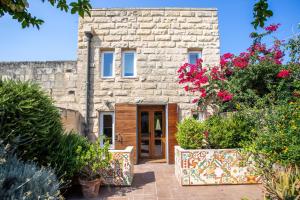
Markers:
(57, 38)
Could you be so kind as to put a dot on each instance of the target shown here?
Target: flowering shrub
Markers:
(207, 83)
(283, 73)
(254, 76)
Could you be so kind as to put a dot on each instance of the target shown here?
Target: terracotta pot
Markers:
(90, 189)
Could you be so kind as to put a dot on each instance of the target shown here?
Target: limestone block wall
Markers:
(161, 38)
(57, 78)
(72, 120)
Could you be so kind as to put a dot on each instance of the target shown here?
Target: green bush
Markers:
(232, 131)
(190, 134)
(63, 157)
(94, 160)
(20, 180)
(258, 86)
(30, 122)
(278, 140)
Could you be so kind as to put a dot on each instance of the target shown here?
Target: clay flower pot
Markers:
(90, 189)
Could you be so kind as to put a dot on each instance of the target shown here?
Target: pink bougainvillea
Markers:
(224, 95)
(283, 73)
(272, 27)
(209, 83)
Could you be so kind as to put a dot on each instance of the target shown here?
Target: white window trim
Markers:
(197, 52)
(134, 64)
(102, 64)
(112, 146)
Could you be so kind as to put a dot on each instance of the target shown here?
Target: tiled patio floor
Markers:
(156, 181)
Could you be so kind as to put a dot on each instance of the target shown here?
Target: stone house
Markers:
(124, 82)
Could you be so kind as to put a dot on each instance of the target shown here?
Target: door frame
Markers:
(153, 108)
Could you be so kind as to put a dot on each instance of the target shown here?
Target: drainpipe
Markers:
(89, 37)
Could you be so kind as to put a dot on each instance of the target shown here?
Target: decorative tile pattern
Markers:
(120, 172)
(213, 166)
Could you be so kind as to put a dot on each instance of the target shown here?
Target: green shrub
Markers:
(30, 122)
(258, 86)
(94, 160)
(190, 134)
(281, 184)
(64, 156)
(278, 140)
(20, 180)
(232, 131)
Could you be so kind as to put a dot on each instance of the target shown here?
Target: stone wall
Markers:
(57, 78)
(161, 39)
(72, 120)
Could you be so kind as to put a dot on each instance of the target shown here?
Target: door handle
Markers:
(119, 138)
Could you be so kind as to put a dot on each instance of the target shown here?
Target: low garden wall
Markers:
(213, 166)
(120, 172)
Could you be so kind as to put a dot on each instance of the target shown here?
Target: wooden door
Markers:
(151, 123)
(125, 130)
(172, 129)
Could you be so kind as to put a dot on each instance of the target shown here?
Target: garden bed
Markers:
(213, 166)
(120, 172)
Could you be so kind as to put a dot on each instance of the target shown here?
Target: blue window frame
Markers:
(193, 56)
(128, 64)
(107, 64)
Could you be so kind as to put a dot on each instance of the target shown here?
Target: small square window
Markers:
(129, 64)
(107, 64)
(194, 56)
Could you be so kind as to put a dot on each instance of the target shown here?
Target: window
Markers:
(107, 64)
(193, 56)
(128, 64)
(200, 116)
(107, 128)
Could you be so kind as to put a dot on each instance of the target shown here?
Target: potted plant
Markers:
(93, 161)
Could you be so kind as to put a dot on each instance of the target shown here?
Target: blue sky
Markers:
(57, 38)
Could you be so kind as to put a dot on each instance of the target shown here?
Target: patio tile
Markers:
(156, 181)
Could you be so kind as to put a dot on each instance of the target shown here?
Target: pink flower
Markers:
(283, 73)
(241, 61)
(272, 27)
(195, 100)
(224, 95)
(203, 93)
(186, 88)
(227, 55)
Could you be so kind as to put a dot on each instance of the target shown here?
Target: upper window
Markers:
(128, 64)
(107, 64)
(107, 129)
(193, 56)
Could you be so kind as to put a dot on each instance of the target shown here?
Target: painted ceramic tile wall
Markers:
(213, 166)
(121, 169)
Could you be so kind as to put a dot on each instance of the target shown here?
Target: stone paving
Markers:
(156, 181)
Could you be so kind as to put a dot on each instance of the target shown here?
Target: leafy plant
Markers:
(282, 184)
(18, 9)
(190, 134)
(261, 13)
(278, 140)
(94, 160)
(64, 156)
(31, 123)
(20, 180)
(28, 120)
(233, 131)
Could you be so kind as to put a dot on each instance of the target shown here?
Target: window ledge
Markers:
(108, 79)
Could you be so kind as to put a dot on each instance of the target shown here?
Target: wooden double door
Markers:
(151, 132)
